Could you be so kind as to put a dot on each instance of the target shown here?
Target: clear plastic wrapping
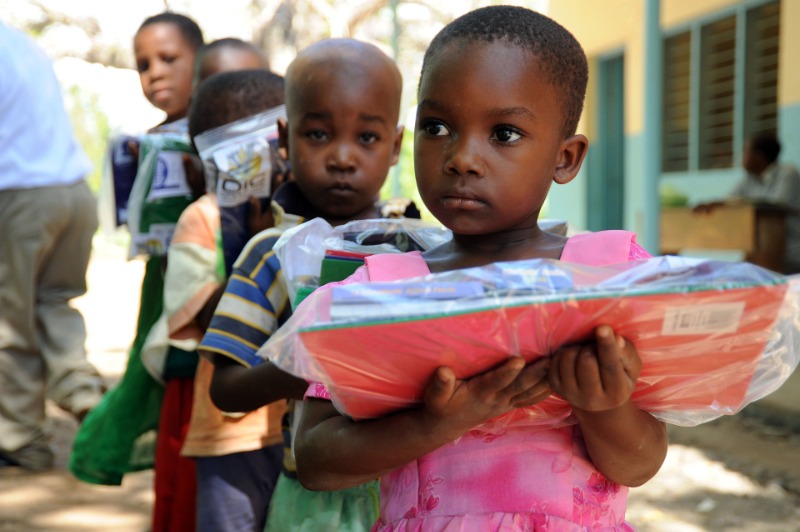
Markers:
(713, 336)
(159, 193)
(302, 249)
(240, 160)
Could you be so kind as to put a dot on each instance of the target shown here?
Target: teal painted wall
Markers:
(789, 134)
(569, 202)
(635, 184)
(715, 184)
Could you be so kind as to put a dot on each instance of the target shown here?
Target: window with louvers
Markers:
(717, 84)
(761, 70)
(675, 112)
(717, 91)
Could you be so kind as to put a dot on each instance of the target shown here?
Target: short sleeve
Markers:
(254, 304)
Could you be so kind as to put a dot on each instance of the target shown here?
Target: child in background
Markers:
(225, 55)
(118, 436)
(341, 136)
(165, 47)
(237, 444)
(500, 95)
(192, 280)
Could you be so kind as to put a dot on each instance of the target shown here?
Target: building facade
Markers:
(675, 87)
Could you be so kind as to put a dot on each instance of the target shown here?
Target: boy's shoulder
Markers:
(260, 248)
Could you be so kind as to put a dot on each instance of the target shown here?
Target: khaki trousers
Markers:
(45, 243)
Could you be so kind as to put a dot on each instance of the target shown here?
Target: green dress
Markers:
(118, 436)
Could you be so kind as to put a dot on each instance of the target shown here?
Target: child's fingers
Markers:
(533, 383)
(499, 378)
(611, 370)
(562, 370)
(631, 362)
(440, 389)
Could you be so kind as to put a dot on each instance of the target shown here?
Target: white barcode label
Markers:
(703, 319)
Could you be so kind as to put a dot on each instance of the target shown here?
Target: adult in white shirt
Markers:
(768, 181)
(47, 219)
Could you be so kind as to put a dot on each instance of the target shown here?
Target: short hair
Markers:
(226, 42)
(188, 27)
(229, 96)
(766, 144)
(562, 57)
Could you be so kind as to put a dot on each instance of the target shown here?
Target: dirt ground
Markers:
(733, 474)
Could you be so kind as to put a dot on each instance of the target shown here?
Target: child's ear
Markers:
(573, 151)
(398, 143)
(283, 139)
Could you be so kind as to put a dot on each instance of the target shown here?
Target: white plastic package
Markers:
(713, 336)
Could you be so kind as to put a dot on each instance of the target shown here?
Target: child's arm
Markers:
(237, 388)
(626, 444)
(334, 452)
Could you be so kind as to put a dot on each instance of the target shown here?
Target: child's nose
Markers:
(342, 158)
(463, 157)
(158, 69)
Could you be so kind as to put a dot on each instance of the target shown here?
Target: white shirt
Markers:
(37, 143)
(779, 184)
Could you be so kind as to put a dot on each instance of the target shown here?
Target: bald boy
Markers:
(341, 137)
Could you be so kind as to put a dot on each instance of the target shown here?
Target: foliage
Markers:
(91, 129)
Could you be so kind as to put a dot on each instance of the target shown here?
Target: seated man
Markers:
(768, 181)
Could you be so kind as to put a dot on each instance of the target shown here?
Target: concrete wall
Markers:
(611, 26)
(617, 25)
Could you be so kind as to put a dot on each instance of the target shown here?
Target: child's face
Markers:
(342, 138)
(165, 62)
(489, 139)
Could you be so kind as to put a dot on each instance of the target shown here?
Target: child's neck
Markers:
(466, 251)
(368, 213)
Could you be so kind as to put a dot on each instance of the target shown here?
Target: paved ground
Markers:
(734, 474)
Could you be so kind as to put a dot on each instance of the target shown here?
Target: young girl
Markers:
(117, 436)
(165, 47)
(500, 95)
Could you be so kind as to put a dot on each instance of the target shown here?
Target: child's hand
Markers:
(258, 218)
(195, 174)
(459, 405)
(597, 376)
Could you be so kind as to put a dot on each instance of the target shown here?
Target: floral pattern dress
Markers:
(504, 475)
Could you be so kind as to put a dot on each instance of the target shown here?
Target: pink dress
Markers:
(507, 477)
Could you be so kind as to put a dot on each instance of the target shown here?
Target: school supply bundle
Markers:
(314, 253)
(121, 166)
(240, 161)
(159, 194)
(713, 336)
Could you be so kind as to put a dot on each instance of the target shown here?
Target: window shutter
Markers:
(676, 100)
(761, 70)
(717, 87)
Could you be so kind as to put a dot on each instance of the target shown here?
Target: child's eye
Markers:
(169, 59)
(316, 134)
(142, 66)
(506, 134)
(368, 138)
(435, 129)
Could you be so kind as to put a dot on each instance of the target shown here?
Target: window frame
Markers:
(695, 29)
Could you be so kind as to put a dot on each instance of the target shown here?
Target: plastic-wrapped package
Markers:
(713, 336)
(240, 160)
(304, 250)
(314, 253)
(159, 194)
(120, 165)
